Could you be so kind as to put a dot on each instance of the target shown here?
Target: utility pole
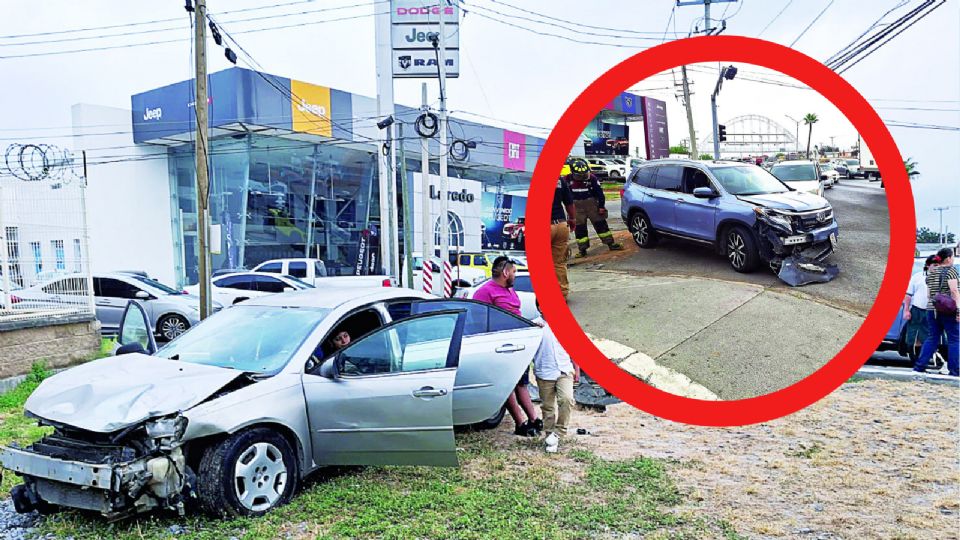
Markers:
(686, 101)
(203, 182)
(406, 195)
(940, 235)
(444, 188)
(797, 136)
(425, 193)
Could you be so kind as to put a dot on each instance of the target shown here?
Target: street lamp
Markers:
(797, 137)
(728, 72)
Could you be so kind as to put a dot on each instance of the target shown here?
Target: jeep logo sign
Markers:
(152, 114)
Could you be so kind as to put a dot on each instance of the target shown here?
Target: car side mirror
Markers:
(330, 369)
(142, 295)
(705, 193)
(130, 348)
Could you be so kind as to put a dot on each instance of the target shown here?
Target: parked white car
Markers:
(314, 272)
(524, 288)
(230, 289)
(461, 276)
(613, 169)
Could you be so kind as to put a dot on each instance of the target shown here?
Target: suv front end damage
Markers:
(134, 470)
(797, 244)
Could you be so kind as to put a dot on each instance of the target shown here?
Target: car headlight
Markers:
(774, 219)
(164, 428)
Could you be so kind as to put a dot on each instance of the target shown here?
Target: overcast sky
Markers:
(508, 73)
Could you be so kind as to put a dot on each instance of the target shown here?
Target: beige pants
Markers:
(559, 240)
(555, 395)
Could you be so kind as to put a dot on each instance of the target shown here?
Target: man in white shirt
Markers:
(915, 306)
(556, 374)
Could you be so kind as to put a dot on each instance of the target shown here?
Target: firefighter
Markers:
(589, 202)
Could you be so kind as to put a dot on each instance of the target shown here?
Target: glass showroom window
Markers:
(455, 233)
(77, 255)
(37, 257)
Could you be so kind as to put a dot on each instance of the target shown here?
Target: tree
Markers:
(706, 156)
(679, 150)
(810, 119)
(911, 166)
(926, 236)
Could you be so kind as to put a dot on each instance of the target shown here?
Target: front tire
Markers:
(642, 230)
(493, 422)
(171, 326)
(741, 250)
(247, 474)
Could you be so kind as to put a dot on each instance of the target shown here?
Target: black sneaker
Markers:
(538, 425)
(523, 429)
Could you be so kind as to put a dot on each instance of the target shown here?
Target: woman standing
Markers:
(942, 317)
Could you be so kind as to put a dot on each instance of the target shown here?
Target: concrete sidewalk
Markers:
(736, 339)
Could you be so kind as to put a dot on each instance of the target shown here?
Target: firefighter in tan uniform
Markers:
(589, 202)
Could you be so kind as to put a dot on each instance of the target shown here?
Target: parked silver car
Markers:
(237, 411)
(170, 312)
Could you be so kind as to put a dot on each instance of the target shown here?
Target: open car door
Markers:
(135, 332)
(387, 399)
(497, 347)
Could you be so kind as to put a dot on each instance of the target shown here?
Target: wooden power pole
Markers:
(203, 181)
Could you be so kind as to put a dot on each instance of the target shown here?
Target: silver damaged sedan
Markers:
(233, 414)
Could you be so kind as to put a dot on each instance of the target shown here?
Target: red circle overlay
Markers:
(899, 199)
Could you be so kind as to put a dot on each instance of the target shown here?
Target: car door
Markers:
(391, 400)
(135, 328)
(662, 199)
(695, 217)
(111, 297)
(497, 347)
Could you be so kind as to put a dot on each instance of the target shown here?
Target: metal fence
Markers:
(45, 268)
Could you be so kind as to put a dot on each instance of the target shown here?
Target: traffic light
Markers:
(721, 132)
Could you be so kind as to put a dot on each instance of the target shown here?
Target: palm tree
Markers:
(911, 166)
(810, 119)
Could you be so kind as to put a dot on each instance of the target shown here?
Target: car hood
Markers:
(119, 391)
(797, 201)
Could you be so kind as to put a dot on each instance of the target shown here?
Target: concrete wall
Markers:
(128, 195)
(57, 345)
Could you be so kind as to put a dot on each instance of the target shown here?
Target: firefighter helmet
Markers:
(579, 167)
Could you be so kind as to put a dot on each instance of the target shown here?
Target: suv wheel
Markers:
(171, 326)
(741, 250)
(642, 230)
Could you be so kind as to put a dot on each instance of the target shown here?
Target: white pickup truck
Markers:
(313, 271)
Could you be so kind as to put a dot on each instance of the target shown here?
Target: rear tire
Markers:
(642, 230)
(493, 421)
(741, 249)
(247, 474)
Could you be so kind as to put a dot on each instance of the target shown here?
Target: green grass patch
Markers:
(15, 428)
(494, 494)
(806, 451)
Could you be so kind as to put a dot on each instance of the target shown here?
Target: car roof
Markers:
(796, 162)
(331, 298)
(268, 274)
(293, 259)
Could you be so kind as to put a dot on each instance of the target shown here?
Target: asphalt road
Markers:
(861, 211)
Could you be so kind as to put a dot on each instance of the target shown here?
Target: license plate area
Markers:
(794, 240)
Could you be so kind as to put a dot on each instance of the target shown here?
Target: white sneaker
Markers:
(552, 443)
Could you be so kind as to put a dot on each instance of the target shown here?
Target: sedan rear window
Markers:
(260, 339)
(795, 173)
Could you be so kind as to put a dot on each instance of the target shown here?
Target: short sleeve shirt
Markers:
(504, 298)
(934, 283)
(918, 290)
(561, 198)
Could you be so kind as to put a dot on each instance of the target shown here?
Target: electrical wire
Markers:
(884, 42)
(775, 17)
(817, 18)
(576, 24)
(865, 32)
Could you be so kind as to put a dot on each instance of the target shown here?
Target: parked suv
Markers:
(744, 211)
(802, 175)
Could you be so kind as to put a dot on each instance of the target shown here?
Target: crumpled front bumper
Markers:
(800, 259)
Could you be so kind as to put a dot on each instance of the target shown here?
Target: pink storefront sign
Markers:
(514, 150)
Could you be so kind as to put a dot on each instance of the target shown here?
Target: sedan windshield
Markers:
(747, 180)
(795, 173)
(260, 339)
(156, 285)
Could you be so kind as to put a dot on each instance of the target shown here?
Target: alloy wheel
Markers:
(171, 327)
(736, 250)
(260, 476)
(640, 230)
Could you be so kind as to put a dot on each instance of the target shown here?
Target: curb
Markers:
(646, 369)
(902, 374)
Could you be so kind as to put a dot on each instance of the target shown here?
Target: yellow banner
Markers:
(311, 108)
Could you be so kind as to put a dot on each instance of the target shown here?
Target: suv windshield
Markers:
(260, 339)
(804, 172)
(747, 180)
(156, 285)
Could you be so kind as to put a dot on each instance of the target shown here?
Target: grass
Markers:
(508, 492)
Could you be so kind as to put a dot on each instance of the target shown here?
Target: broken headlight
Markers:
(781, 222)
(165, 428)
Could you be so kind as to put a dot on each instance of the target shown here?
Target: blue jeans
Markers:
(937, 325)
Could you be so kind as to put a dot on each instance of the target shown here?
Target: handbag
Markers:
(944, 304)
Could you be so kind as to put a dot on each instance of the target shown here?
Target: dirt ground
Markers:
(875, 459)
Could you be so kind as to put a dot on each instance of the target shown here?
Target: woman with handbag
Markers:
(942, 314)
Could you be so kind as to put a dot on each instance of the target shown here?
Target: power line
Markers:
(884, 42)
(775, 17)
(573, 24)
(812, 23)
(871, 27)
